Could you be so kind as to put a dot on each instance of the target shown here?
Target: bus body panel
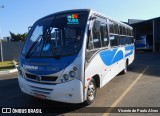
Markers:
(52, 67)
(110, 63)
(69, 92)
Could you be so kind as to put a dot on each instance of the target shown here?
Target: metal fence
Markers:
(10, 50)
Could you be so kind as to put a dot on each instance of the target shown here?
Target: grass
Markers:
(6, 65)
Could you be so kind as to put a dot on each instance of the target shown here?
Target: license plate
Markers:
(40, 96)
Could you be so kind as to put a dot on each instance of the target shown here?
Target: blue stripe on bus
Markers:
(129, 48)
(119, 56)
(109, 57)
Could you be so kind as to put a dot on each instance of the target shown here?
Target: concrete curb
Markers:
(8, 71)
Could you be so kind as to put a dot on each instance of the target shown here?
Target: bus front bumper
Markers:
(69, 92)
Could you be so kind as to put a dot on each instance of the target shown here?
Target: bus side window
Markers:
(90, 41)
(104, 35)
(111, 27)
(121, 30)
(114, 40)
(96, 38)
(122, 40)
(129, 40)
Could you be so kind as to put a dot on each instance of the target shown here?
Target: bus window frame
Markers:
(105, 21)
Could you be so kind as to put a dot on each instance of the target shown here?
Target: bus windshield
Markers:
(57, 35)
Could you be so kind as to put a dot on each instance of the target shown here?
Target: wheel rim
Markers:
(91, 91)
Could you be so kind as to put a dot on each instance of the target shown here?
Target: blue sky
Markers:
(17, 15)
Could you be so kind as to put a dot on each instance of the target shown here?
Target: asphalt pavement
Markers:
(139, 87)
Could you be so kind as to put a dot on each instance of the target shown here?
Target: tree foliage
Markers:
(18, 37)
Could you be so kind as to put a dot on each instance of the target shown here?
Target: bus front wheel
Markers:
(91, 92)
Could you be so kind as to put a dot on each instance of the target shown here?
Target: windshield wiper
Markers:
(48, 38)
(31, 48)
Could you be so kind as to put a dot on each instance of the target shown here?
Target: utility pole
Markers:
(1, 40)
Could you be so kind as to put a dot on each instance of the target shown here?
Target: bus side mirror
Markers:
(29, 28)
(97, 26)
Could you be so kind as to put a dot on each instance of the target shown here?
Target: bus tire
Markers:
(124, 71)
(91, 92)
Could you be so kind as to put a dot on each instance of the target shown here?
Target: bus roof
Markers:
(87, 10)
(92, 11)
(67, 11)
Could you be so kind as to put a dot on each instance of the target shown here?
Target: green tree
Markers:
(18, 37)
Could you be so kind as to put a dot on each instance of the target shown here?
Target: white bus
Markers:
(68, 55)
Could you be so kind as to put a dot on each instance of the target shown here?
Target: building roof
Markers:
(146, 21)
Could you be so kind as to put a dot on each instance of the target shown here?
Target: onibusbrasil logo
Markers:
(72, 19)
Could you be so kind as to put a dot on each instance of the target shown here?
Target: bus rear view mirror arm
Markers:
(92, 18)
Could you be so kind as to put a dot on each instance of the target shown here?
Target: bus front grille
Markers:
(41, 79)
(40, 90)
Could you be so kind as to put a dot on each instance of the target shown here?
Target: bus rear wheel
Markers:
(91, 92)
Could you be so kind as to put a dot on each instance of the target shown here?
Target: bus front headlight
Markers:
(66, 77)
(69, 75)
(72, 74)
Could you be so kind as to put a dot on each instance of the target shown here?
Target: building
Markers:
(148, 27)
(7, 39)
